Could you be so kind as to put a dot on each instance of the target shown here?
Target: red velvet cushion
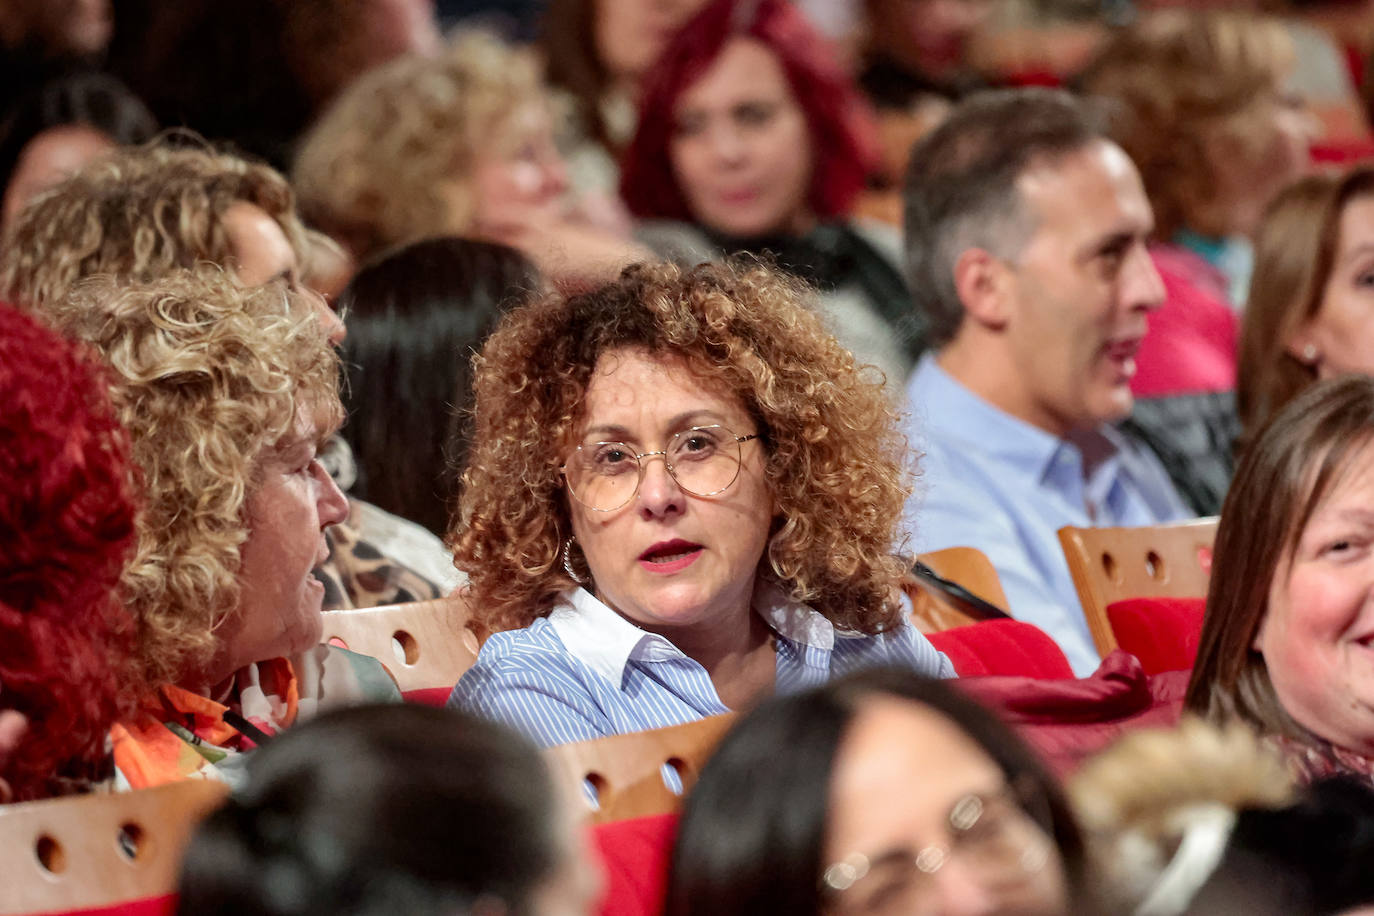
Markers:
(148, 906)
(1070, 718)
(1162, 632)
(636, 854)
(1008, 647)
(427, 696)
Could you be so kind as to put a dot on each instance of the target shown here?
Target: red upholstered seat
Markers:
(1162, 632)
(1005, 647)
(149, 906)
(1070, 718)
(636, 854)
(427, 696)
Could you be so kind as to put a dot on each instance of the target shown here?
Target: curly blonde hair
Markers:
(138, 214)
(207, 377)
(369, 171)
(836, 464)
(1180, 76)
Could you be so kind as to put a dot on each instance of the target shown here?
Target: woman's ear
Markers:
(1302, 346)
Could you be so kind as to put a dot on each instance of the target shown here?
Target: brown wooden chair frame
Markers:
(626, 770)
(424, 644)
(1156, 561)
(94, 851)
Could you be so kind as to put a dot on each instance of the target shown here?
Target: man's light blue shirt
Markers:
(994, 482)
(586, 672)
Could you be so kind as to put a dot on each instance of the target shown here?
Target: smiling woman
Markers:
(682, 495)
(1288, 642)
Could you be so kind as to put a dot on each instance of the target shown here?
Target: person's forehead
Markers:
(744, 69)
(873, 800)
(1093, 188)
(626, 378)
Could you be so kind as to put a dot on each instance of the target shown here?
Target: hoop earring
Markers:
(568, 566)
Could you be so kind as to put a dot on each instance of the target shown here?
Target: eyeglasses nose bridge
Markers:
(667, 466)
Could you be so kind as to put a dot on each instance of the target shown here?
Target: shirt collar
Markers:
(951, 411)
(607, 642)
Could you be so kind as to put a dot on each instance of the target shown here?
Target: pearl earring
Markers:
(1309, 353)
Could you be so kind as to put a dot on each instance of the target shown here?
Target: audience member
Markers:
(61, 126)
(1284, 644)
(882, 792)
(597, 54)
(1026, 233)
(1200, 820)
(416, 317)
(226, 393)
(44, 39)
(626, 593)
(110, 219)
(918, 51)
(67, 511)
(256, 73)
(1308, 317)
(751, 139)
(392, 809)
(461, 144)
(1206, 111)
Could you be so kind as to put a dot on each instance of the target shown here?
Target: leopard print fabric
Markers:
(357, 574)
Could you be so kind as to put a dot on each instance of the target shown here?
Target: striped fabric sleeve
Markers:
(539, 696)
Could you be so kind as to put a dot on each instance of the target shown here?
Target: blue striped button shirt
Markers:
(586, 672)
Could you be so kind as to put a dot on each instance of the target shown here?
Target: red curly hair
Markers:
(67, 511)
(843, 135)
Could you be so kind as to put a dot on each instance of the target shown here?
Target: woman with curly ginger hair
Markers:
(226, 393)
(67, 512)
(682, 494)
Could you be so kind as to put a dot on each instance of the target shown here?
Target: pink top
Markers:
(1193, 339)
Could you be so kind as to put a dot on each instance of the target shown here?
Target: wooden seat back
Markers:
(93, 851)
(626, 770)
(1155, 561)
(931, 610)
(424, 644)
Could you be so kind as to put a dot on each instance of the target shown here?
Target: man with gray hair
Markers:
(1026, 234)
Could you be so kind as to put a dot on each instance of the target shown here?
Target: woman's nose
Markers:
(331, 504)
(659, 492)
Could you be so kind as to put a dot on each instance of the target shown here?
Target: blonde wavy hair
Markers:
(207, 377)
(140, 213)
(836, 464)
(389, 161)
(1179, 77)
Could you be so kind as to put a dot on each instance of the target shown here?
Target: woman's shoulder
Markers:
(903, 646)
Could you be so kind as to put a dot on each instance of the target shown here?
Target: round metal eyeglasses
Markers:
(605, 476)
(1001, 844)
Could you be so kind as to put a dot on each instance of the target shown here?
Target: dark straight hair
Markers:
(416, 317)
(753, 829)
(375, 811)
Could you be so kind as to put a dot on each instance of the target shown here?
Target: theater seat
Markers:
(1004, 647)
(1162, 632)
(1070, 718)
(151, 906)
(636, 854)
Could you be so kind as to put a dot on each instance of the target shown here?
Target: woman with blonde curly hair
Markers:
(1205, 105)
(114, 218)
(459, 144)
(226, 393)
(682, 494)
